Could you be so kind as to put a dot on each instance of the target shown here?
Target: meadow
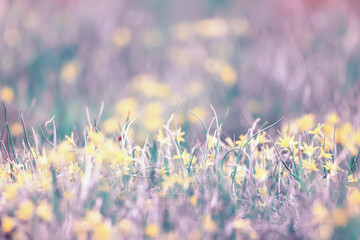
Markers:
(183, 119)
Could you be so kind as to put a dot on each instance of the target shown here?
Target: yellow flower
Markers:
(160, 137)
(333, 118)
(25, 211)
(92, 218)
(11, 192)
(152, 230)
(125, 226)
(339, 217)
(110, 125)
(287, 141)
(102, 231)
(309, 150)
(7, 94)
(70, 72)
(200, 112)
(193, 200)
(241, 224)
(310, 165)
(228, 75)
(180, 135)
(354, 198)
(44, 211)
(331, 167)
(242, 140)
(306, 122)
(319, 212)
(317, 130)
(186, 158)
(122, 37)
(209, 224)
(126, 106)
(325, 155)
(215, 27)
(7, 224)
(261, 174)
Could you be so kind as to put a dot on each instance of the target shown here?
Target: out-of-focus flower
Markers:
(70, 72)
(215, 27)
(228, 75)
(102, 231)
(126, 106)
(16, 129)
(339, 217)
(7, 224)
(25, 211)
(126, 227)
(11, 192)
(354, 198)
(209, 224)
(306, 122)
(152, 118)
(261, 174)
(110, 125)
(122, 37)
(148, 86)
(319, 212)
(44, 211)
(200, 112)
(239, 26)
(194, 87)
(7, 94)
(182, 31)
(152, 230)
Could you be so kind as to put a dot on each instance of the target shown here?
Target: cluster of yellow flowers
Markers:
(100, 186)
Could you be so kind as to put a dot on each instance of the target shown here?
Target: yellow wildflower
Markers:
(310, 165)
(325, 155)
(333, 118)
(25, 211)
(317, 130)
(287, 142)
(320, 212)
(261, 174)
(193, 200)
(110, 125)
(102, 231)
(44, 211)
(70, 72)
(209, 224)
(152, 230)
(228, 75)
(7, 224)
(241, 224)
(122, 37)
(331, 167)
(126, 227)
(306, 122)
(339, 217)
(7, 94)
(354, 198)
(309, 150)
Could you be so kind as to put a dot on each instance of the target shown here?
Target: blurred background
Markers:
(249, 59)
